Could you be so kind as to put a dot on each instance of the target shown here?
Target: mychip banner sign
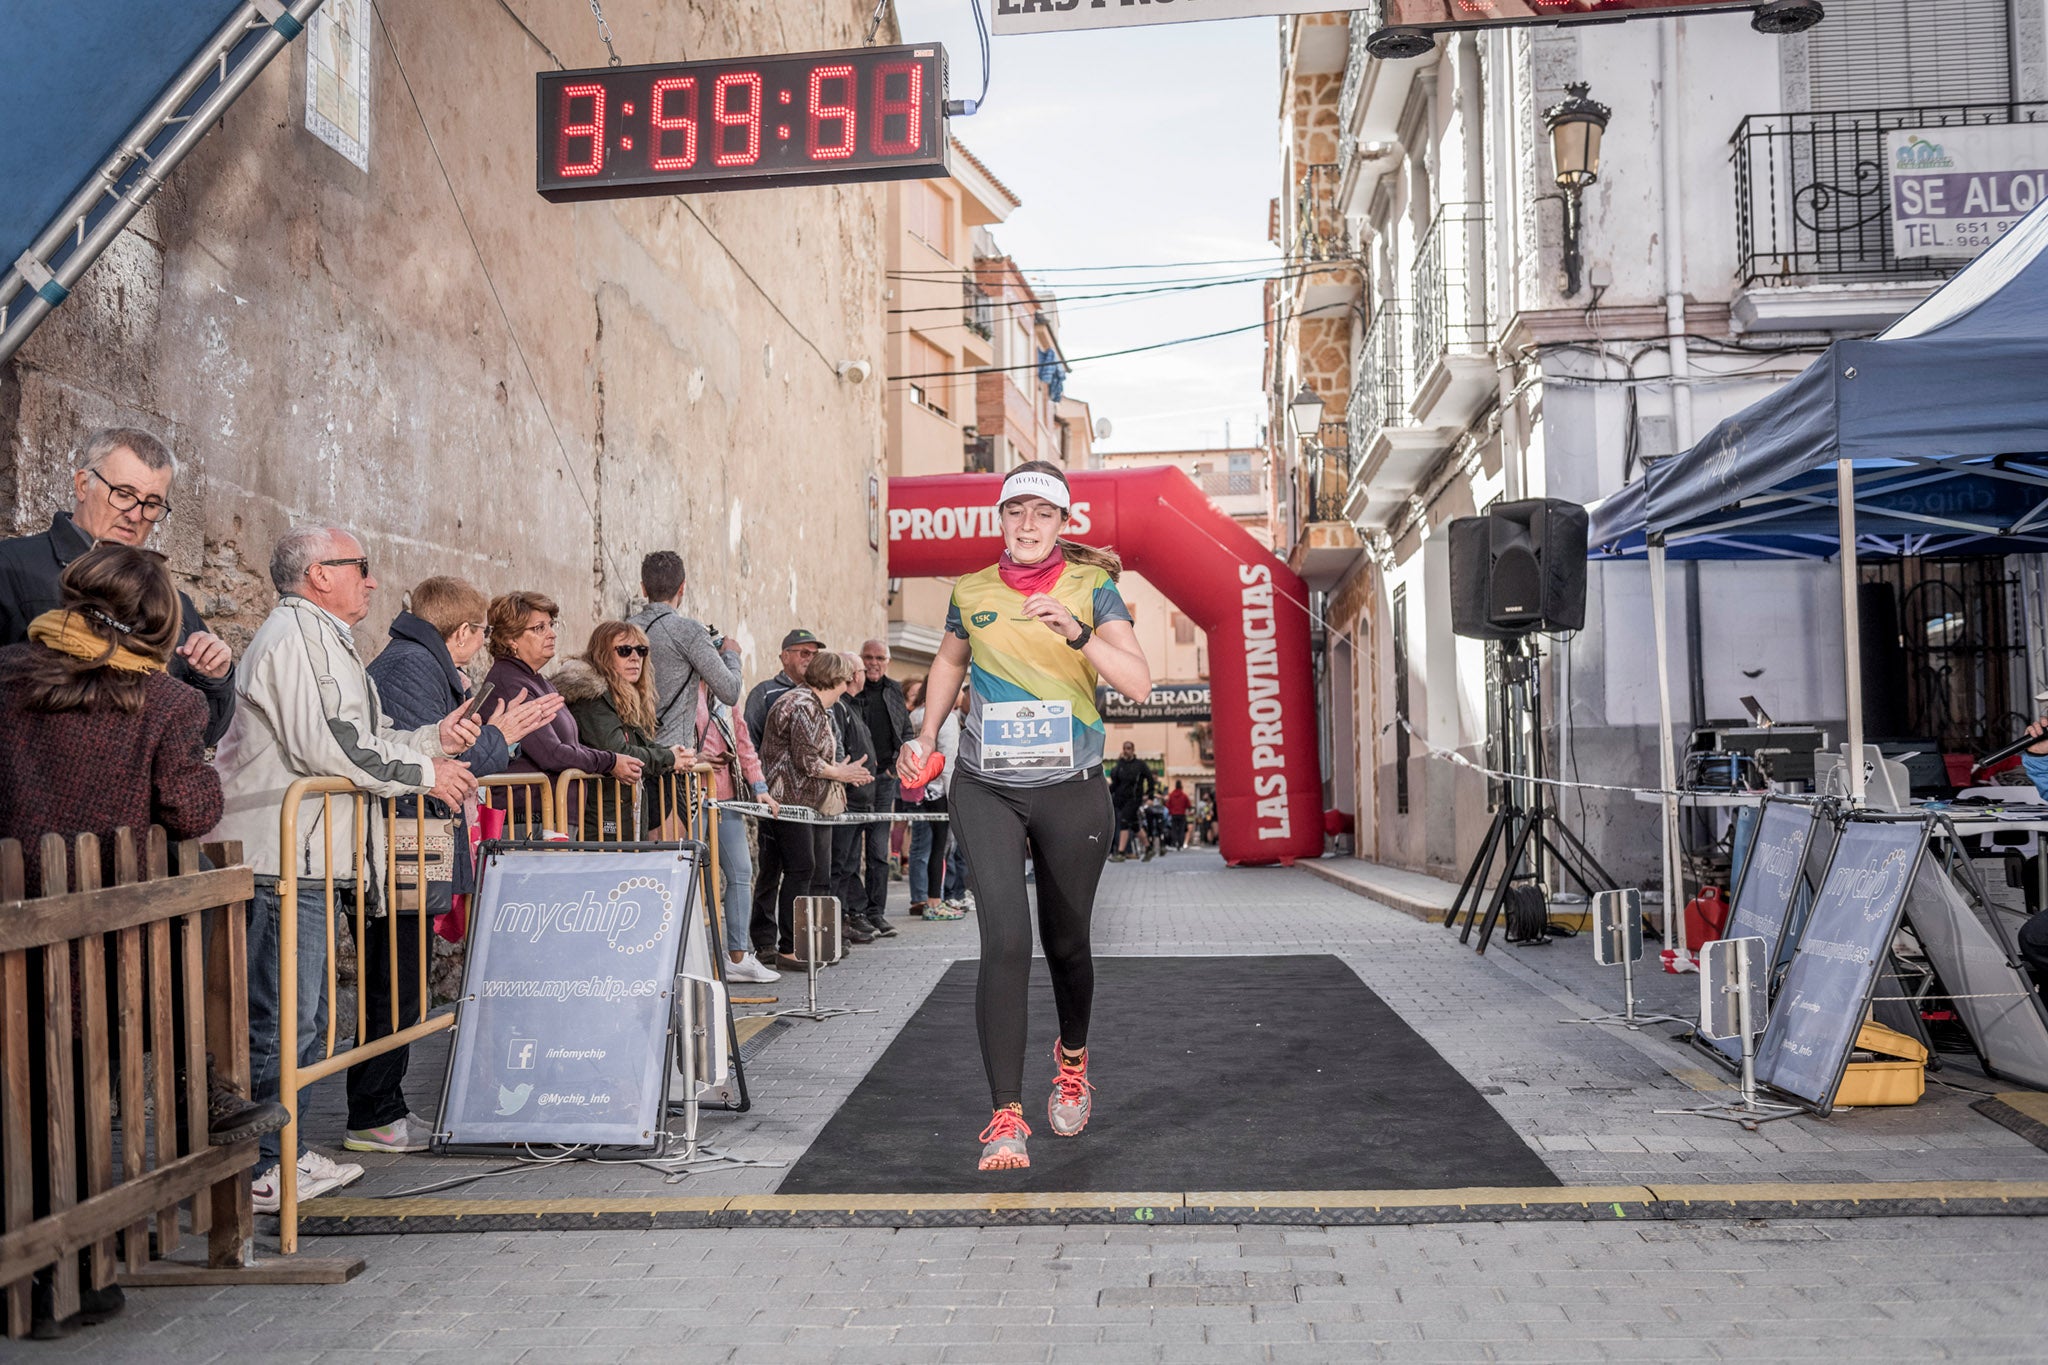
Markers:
(563, 1030)
(1052, 16)
(1955, 191)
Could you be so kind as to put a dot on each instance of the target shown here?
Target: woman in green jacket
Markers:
(610, 692)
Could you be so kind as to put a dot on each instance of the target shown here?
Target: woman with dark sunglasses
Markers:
(610, 691)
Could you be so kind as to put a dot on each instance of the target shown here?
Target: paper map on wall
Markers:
(338, 78)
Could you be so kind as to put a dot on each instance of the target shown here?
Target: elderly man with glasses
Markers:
(309, 708)
(122, 479)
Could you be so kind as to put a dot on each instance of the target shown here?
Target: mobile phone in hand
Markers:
(477, 700)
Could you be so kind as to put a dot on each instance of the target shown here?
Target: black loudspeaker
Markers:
(1518, 568)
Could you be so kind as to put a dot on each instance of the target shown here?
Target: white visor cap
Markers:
(1034, 483)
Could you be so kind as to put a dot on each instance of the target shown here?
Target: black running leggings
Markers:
(1068, 829)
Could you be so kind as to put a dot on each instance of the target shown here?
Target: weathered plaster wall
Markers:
(325, 344)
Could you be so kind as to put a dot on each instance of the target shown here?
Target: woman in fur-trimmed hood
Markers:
(610, 692)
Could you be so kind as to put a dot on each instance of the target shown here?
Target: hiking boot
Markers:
(232, 1117)
(1067, 1109)
(1002, 1141)
(880, 927)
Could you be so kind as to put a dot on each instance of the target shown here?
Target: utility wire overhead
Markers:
(1107, 355)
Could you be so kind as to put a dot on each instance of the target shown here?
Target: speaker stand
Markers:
(1521, 836)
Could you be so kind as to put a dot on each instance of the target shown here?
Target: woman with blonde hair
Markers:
(610, 692)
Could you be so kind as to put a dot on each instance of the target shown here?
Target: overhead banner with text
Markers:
(1955, 191)
(1052, 16)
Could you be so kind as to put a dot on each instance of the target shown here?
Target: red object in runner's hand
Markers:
(934, 763)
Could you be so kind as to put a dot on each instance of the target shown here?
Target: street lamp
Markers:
(1575, 123)
(1306, 408)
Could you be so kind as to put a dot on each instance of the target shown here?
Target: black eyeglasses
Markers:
(362, 565)
(126, 499)
(628, 651)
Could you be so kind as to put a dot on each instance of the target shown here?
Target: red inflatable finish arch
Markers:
(1269, 786)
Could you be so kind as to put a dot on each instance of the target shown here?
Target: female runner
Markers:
(1039, 628)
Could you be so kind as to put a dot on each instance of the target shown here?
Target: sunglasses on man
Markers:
(362, 565)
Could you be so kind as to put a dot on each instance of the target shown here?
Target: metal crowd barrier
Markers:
(403, 877)
(668, 808)
(133, 997)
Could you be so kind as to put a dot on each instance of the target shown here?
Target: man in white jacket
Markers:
(306, 707)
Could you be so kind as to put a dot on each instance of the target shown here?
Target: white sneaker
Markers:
(408, 1134)
(750, 968)
(318, 1175)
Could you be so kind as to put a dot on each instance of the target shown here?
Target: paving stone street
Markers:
(1582, 1095)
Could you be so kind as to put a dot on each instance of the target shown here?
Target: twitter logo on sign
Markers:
(511, 1101)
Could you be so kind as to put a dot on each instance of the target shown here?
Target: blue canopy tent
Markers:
(106, 99)
(1931, 438)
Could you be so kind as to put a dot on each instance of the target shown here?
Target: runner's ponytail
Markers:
(1100, 557)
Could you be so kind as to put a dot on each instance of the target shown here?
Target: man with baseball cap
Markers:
(799, 647)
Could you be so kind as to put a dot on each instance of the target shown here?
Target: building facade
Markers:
(403, 338)
(977, 376)
(1737, 226)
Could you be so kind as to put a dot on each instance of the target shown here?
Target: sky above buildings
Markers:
(1153, 149)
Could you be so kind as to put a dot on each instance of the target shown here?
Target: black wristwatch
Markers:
(1080, 641)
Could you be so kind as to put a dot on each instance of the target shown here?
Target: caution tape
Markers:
(804, 815)
(1452, 756)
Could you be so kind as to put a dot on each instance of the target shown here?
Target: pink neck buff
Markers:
(1032, 579)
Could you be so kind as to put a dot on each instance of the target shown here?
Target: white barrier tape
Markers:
(1451, 756)
(804, 815)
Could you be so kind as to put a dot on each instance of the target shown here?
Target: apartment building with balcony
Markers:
(1739, 224)
(977, 375)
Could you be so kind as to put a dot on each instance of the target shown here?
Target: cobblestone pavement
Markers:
(1582, 1095)
(1894, 1289)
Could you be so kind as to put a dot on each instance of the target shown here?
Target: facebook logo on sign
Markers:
(523, 1052)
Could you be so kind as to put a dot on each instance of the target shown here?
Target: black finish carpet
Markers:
(1211, 1073)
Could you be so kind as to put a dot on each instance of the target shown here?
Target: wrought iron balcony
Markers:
(1449, 285)
(1380, 380)
(1354, 83)
(1320, 232)
(1812, 204)
(1326, 477)
(980, 311)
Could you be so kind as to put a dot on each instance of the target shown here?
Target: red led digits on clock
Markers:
(594, 130)
(823, 112)
(658, 105)
(727, 118)
(909, 108)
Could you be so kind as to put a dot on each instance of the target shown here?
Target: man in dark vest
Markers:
(121, 486)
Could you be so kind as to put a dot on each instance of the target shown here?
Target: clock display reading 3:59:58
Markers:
(815, 118)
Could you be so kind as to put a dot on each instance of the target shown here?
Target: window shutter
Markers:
(1881, 54)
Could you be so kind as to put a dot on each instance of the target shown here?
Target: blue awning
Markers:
(80, 77)
(1944, 418)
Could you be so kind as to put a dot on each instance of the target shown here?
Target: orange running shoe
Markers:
(1003, 1142)
(1067, 1109)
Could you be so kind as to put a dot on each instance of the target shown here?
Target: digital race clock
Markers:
(815, 118)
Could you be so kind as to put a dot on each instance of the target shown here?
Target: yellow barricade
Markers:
(410, 853)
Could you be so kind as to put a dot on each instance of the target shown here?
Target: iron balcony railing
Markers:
(1379, 384)
(1449, 285)
(1355, 58)
(1320, 233)
(1326, 478)
(980, 311)
(1233, 483)
(1812, 201)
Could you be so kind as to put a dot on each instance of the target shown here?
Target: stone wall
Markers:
(481, 382)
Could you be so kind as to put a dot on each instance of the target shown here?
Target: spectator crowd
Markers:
(113, 690)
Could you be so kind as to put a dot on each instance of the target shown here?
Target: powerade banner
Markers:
(1179, 702)
(1955, 191)
(1848, 937)
(562, 1032)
